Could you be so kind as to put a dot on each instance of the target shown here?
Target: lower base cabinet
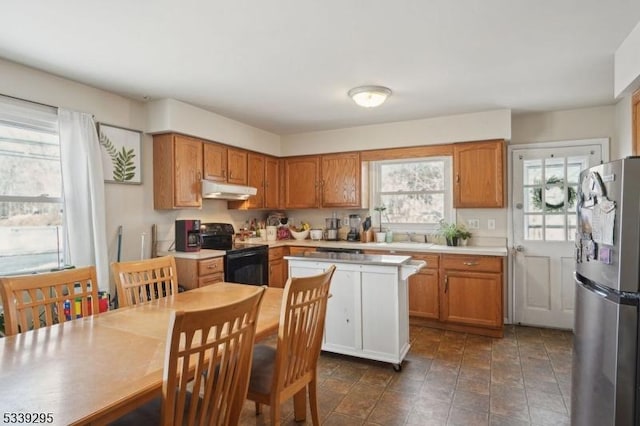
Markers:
(367, 313)
(193, 273)
(277, 270)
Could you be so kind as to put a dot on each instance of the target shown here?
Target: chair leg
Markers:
(275, 414)
(258, 408)
(313, 403)
(300, 405)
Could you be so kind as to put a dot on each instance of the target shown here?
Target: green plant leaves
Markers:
(124, 169)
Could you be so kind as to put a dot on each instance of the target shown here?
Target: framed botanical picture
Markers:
(121, 154)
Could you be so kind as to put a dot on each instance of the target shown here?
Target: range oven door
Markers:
(247, 267)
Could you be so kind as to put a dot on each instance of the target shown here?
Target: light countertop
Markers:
(197, 255)
(393, 247)
(361, 259)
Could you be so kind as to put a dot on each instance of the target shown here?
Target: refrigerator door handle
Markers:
(591, 288)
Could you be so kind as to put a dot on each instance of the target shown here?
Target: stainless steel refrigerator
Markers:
(605, 358)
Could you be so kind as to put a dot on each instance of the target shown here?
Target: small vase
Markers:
(452, 241)
(380, 237)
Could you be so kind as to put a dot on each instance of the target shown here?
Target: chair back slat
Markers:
(41, 300)
(209, 351)
(145, 280)
(301, 328)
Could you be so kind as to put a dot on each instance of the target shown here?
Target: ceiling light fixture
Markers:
(369, 96)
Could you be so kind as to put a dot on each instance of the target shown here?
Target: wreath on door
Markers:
(555, 200)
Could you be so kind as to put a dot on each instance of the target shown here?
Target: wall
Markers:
(127, 205)
(131, 206)
(171, 115)
(627, 64)
(583, 123)
(456, 128)
(623, 146)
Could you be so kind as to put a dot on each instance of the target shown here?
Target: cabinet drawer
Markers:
(276, 253)
(432, 260)
(211, 266)
(210, 279)
(472, 263)
(293, 251)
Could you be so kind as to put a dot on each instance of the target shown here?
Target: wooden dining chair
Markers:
(290, 368)
(208, 351)
(140, 281)
(36, 300)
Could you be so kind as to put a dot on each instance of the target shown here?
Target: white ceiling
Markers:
(286, 66)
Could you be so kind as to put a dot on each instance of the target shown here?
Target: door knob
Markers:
(519, 248)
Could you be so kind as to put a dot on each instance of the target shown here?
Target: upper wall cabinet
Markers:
(223, 164)
(177, 171)
(263, 174)
(301, 182)
(340, 184)
(322, 181)
(479, 174)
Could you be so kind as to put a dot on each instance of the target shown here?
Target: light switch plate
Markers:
(473, 223)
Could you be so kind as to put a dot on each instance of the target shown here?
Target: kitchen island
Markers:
(368, 311)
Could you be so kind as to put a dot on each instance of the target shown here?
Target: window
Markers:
(550, 190)
(31, 220)
(416, 192)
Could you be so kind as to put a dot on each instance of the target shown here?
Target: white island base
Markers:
(367, 312)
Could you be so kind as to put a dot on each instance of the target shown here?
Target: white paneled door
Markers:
(543, 203)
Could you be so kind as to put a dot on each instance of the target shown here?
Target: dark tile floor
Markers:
(448, 378)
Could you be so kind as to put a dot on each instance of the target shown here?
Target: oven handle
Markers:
(246, 254)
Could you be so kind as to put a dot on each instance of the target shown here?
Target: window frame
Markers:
(39, 119)
(375, 195)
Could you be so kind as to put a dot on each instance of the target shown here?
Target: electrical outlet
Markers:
(473, 223)
(491, 224)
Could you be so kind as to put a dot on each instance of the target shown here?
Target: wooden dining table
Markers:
(94, 369)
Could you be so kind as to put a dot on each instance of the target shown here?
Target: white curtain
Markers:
(84, 202)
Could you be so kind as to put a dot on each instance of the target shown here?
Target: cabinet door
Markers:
(256, 178)
(479, 174)
(301, 176)
(188, 172)
(276, 273)
(340, 183)
(271, 183)
(424, 294)
(343, 325)
(215, 162)
(472, 298)
(237, 161)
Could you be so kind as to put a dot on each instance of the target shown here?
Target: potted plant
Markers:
(453, 233)
(380, 236)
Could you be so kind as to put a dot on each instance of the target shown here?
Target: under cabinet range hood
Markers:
(225, 191)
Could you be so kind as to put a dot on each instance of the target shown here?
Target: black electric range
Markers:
(244, 263)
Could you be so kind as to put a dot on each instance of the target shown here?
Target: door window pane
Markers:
(533, 227)
(550, 188)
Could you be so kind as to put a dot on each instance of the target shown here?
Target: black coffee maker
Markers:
(188, 235)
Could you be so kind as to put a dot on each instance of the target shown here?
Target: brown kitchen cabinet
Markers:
(177, 171)
(340, 183)
(224, 164)
(317, 181)
(263, 174)
(471, 292)
(424, 293)
(277, 272)
(479, 169)
(194, 273)
(301, 182)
